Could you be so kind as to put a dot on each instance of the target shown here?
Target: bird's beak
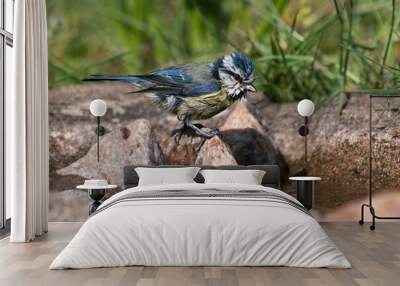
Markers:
(250, 88)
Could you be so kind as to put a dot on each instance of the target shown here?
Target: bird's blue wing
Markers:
(186, 74)
(186, 80)
(174, 74)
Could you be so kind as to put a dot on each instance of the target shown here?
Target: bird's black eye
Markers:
(237, 77)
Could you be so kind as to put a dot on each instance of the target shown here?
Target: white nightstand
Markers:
(305, 190)
(96, 193)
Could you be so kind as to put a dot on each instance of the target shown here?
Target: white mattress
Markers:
(202, 231)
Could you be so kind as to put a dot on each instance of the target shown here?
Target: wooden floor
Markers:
(375, 257)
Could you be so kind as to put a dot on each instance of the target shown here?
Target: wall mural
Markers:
(207, 111)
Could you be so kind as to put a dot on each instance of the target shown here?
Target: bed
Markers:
(201, 224)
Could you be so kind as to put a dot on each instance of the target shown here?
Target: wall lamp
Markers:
(305, 108)
(98, 108)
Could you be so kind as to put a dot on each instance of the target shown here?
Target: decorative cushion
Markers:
(247, 177)
(162, 176)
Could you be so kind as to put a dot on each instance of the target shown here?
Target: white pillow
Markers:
(166, 176)
(247, 177)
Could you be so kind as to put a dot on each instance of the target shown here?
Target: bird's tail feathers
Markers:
(125, 78)
(145, 83)
(156, 89)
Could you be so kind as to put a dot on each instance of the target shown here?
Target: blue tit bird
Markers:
(195, 91)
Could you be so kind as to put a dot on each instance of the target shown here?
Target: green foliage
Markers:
(302, 48)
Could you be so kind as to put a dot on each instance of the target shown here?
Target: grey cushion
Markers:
(270, 179)
(165, 176)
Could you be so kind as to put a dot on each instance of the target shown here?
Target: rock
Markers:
(71, 126)
(61, 183)
(248, 140)
(245, 137)
(184, 153)
(240, 118)
(281, 121)
(215, 152)
(337, 146)
(133, 144)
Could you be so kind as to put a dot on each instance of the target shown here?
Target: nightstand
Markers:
(96, 193)
(305, 190)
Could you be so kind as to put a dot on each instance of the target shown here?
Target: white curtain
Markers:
(27, 124)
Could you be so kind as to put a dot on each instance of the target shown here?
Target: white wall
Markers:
(8, 85)
(9, 26)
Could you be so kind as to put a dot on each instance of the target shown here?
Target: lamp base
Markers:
(100, 130)
(303, 130)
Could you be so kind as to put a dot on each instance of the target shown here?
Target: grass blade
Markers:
(389, 41)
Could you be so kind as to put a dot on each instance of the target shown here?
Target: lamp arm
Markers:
(98, 138)
(305, 142)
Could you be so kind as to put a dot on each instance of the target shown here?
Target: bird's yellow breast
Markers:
(205, 106)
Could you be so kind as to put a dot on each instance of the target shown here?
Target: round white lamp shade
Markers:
(305, 107)
(98, 107)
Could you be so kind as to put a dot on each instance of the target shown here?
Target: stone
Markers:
(337, 146)
(215, 152)
(133, 144)
(72, 126)
(184, 153)
(248, 140)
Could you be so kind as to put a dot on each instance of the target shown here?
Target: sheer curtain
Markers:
(27, 124)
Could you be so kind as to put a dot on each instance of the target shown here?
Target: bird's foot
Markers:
(205, 136)
(198, 146)
(178, 133)
(184, 131)
(193, 130)
(211, 133)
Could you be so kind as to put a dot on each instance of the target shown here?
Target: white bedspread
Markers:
(200, 231)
